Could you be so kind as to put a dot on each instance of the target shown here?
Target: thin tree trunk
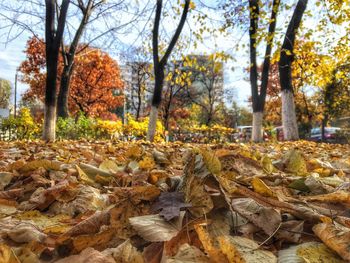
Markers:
(63, 95)
(53, 37)
(257, 134)
(159, 64)
(289, 121)
(290, 127)
(259, 96)
(152, 123)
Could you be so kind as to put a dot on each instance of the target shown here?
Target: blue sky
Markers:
(11, 55)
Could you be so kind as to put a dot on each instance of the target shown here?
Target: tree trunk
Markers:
(159, 64)
(257, 134)
(289, 120)
(290, 127)
(63, 95)
(49, 133)
(152, 124)
(53, 37)
(323, 128)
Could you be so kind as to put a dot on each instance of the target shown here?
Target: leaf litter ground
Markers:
(79, 201)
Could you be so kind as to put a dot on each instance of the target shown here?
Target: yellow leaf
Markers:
(335, 238)
(261, 188)
(267, 164)
(7, 255)
(211, 161)
(33, 165)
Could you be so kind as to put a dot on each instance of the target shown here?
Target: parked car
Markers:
(331, 134)
(244, 133)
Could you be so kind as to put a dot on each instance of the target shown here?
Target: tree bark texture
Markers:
(290, 127)
(53, 37)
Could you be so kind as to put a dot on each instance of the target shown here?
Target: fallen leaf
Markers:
(239, 249)
(170, 204)
(295, 163)
(335, 238)
(7, 255)
(267, 218)
(155, 229)
(92, 171)
(214, 253)
(90, 225)
(261, 188)
(33, 165)
(310, 252)
(5, 179)
(196, 195)
(88, 255)
(110, 166)
(335, 197)
(211, 161)
(125, 253)
(187, 254)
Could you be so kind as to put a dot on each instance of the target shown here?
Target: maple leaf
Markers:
(170, 204)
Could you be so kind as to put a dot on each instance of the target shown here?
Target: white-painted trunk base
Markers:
(289, 120)
(49, 130)
(152, 124)
(257, 132)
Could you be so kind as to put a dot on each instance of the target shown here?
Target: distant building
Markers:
(138, 82)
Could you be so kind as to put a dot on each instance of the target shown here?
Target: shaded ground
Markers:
(76, 201)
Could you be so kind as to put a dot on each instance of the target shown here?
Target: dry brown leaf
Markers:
(196, 195)
(214, 253)
(33, 165)
(5, 179)
(155, 229)
(243, 250)
(335, 238)
(97, 241)
(88, 255)
(153, 253)
(335, 197)
(90, 225)
(187, 254)
(267, 218)
(125, 253)
(20, 232)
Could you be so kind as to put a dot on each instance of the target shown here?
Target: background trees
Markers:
(94, 82)
(5, 93)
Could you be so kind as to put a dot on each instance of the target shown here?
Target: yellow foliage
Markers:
(147, 163)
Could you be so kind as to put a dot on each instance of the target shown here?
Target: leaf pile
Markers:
(79, 201)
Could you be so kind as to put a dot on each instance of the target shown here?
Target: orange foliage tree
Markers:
(95, 82)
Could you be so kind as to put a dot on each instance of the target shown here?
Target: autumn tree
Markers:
(259, 93)
(177, 82)
(92, 22)
(159, 63)
(95, 80)
(206, 89)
